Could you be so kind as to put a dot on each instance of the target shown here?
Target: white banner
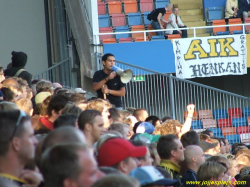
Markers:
(210, 56)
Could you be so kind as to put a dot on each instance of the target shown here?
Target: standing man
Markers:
(107, 82)
(157, 18)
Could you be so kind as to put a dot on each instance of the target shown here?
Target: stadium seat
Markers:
(246, 111)
(228, 130)
(145, 19)
(219, 30)
(216, 131)
(196, 125)
(146, 6)
(122, 29)
(130, 6)
(245, 138)
(118, 20)
(234, 112)
(234, 138)
(103, 20)
(101, 8)
(242, 130)
(109, 40)
(220, 113)
(166, 16)
(106, 30)
(125, 40)
(248, 121)
(137, 28)
(173, 36)
(247, 27)
(161, 3)
(224, 122)
(114, 7)
(134, 19)
(205, 114)
(140, 39)
(150, 34)
(236, 122)
(214, 13)
(235, 29)
(195, 115)
(110, 0)
(158, 37)
(209, 123)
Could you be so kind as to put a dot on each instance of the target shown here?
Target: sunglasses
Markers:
(21, 115)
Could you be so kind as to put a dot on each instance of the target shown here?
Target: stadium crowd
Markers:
(51, 136)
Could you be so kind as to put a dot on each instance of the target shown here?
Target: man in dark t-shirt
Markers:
(157, 18)
(107, 82)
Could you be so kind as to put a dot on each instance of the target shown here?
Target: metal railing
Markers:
(166, 95)
(61, 72)
(187, 28)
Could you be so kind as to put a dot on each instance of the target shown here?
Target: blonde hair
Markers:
(210, 170)
(98, 104)
(169, 127)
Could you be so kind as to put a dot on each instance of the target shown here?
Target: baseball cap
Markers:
(80, 90)
(40, 97)
(150, 175)
(206, 145)
(116, 150)
(145, 127)
(147, 138)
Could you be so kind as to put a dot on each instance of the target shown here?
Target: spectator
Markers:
(211, 171)
(17, 146)
(154, 120)
(233, 166)
(5, 105)
(190, 138)
(154, 154)
(120, 154)
(107, 82)
(103, 107)
(149, 176)
(171, 152)
(244, 9)
(243, 160)
(140, 114)
(194, 158)
(69, 165)
(2, 77)
(19, 60)
(227, 145)
(145, 127)
(121, 128)
(56, 85)
(145, 160)
(23, 85)
(106, 136)
(157, 16)
(117, 180)
(8, 94)
(176, 23)
(66, 120)
(25, 105)
(208, 148)
(231, 9)
(92, 124)
(109, 170)
(115, 116)
(71, 108)
(244, 181)
(79, 100)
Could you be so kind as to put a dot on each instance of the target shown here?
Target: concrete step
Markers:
(190, 6)
(198, 31)
(185, 1)
(192, 18)
(191, 12)
(195, 23)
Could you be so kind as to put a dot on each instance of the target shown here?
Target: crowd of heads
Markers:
(53, 136)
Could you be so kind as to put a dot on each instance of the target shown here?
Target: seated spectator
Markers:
(91, 123)
(120, 154)
(66, 120)
(171, 152)
(208, 148)
(117, 180)
(231, 9)
(176, 23)
(157, 18)
(121, 128)
(25, 105)
(102, 106)
(194, 158)
(149, 176)
(140, 114)
(211, 171)
(154, 120)
(145, 160)
(18, 62)
(244, 9)
(68, 165)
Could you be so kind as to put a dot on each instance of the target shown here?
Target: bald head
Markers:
(193, 154)
(66, 134)
(11, 82)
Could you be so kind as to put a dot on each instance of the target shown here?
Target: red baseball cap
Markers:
(116, 150)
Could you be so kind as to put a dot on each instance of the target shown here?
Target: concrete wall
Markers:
(23, 29)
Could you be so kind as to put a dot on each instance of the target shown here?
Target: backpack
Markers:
(150, 15)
